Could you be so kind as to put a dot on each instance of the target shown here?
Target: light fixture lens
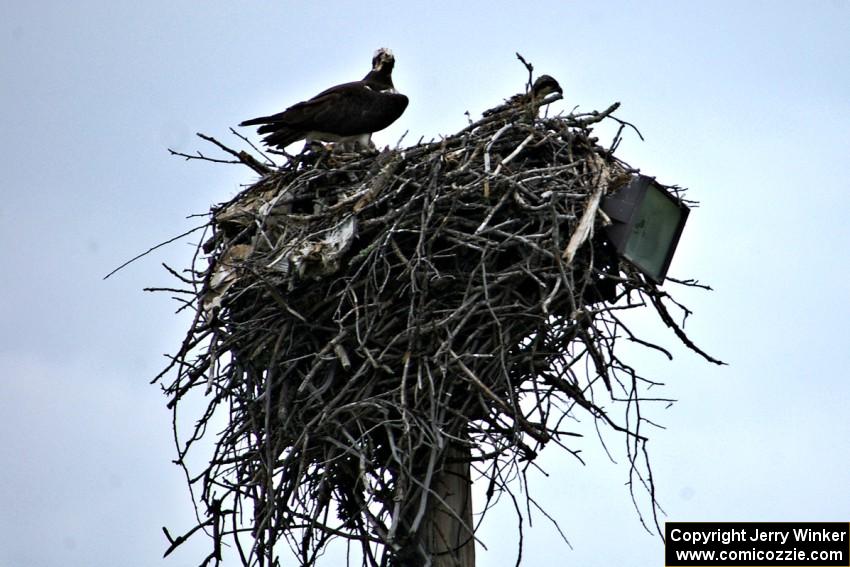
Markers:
(646, 222)
(653, 233)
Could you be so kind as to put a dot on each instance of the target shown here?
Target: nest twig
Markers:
(359, 314)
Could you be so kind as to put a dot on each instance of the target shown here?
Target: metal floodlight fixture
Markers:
(646, 224)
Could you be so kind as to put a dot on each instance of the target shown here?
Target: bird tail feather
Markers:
(254, 121)
(280, 137)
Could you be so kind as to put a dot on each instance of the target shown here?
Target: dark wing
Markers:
(355, 110)
(297, 112)
(345, 110)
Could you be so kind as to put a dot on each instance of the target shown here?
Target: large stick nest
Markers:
(359, 314)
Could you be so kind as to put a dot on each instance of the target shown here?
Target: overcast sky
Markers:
(745, 103)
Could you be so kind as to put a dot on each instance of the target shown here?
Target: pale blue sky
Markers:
(745, 103)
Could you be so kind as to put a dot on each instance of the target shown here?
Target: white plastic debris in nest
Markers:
(318, 258)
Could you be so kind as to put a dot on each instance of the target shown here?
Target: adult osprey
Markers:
(347, 113)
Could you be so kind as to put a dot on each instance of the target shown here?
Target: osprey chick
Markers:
(347, 113)
(544, 86)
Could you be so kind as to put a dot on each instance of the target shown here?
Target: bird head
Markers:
(383, 60)
(544, 86)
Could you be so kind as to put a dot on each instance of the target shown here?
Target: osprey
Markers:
(544, 86)
(347, 113)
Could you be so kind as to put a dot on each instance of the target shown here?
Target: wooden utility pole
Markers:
(448, 529)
